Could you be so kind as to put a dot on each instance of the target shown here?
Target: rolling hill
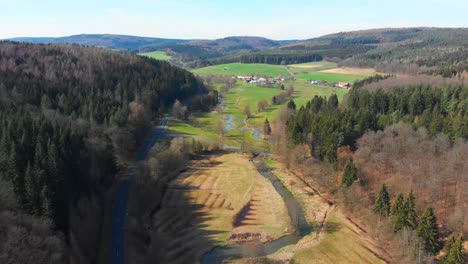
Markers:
(441, 51)
(199, 53)
(118, 42)
(394, 50)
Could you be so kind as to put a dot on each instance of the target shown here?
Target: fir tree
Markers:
(453, 251)
(15, 175)
(428, 231)
(333, 101)
(291, 105)
(266, 127)
(382, 203)
(350, 174)
(397, 212)
(411, 219)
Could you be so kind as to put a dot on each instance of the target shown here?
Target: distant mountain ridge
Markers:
(420, 49)
(118, 42)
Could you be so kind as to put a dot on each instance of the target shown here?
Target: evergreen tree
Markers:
(428, 231)
(333, 101)
(382, 203)
(397, 212)
(350, 174)
(266, 127)
(453, 251)
(15, 175)
(411, 219)
(291, 105)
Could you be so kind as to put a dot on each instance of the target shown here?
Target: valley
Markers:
(243, 216)
(215, 145)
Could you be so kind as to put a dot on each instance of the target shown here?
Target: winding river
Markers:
(298, 220)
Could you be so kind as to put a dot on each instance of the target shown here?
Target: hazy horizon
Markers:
(181, 19)
(128, 35)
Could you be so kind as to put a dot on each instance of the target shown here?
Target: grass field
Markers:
(307, 68)
(243, 94)
(250, 95)
(157, 55)
(236, 69)
(223, 185)
(332, 77)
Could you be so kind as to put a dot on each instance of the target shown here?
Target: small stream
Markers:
(229, 123)
(298, 220)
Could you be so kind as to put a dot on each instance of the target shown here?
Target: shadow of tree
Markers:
(173, 229)
(332, 227)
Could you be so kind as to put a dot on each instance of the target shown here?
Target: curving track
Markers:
(119, 211)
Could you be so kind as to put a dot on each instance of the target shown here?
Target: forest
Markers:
(323, 125)
(279, 58)
(392, 155)
(71, 119)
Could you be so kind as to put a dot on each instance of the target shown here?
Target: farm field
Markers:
(332, 77)
(306, 68)
(157, 55)
(207, 126)
(233, 202)
(236, 69)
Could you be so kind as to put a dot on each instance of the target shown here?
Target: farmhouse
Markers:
(316, 82)
(343, 85)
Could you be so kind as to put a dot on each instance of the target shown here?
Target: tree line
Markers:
(325, 127)
(278, 59)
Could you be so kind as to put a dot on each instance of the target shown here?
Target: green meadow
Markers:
(332, 77)
(157, 55)
(207, 125)
(236, 69)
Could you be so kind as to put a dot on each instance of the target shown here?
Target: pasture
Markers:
(235, 199)
(207, 125)
(157, 55)
(237, 69)
(332, 77)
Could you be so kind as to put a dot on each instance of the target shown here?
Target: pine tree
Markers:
(382, 203)
(333, 101)
(291, 105)
(350, 174)
(411, 219)
(29, 187)
(15, 175)
(266, 127)
(397, 212)
(428, 231)
(453, 251)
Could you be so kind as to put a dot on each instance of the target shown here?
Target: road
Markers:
(119, 211)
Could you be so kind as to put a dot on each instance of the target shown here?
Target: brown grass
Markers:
(349, 70)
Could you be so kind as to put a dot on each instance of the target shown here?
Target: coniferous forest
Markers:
(71, 117)
(323, 125)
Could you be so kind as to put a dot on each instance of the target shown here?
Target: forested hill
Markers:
(71, 118)
(118, 42)
(201, 53)
(91, 83)
(399, 49)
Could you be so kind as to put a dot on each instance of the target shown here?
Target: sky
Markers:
(211, 19)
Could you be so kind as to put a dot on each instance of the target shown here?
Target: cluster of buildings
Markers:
(261, 80)
(344, 85)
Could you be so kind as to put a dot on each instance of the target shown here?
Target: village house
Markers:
(343, 85)
(316, 82)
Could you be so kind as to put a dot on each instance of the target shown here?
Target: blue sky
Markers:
(286, 19)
